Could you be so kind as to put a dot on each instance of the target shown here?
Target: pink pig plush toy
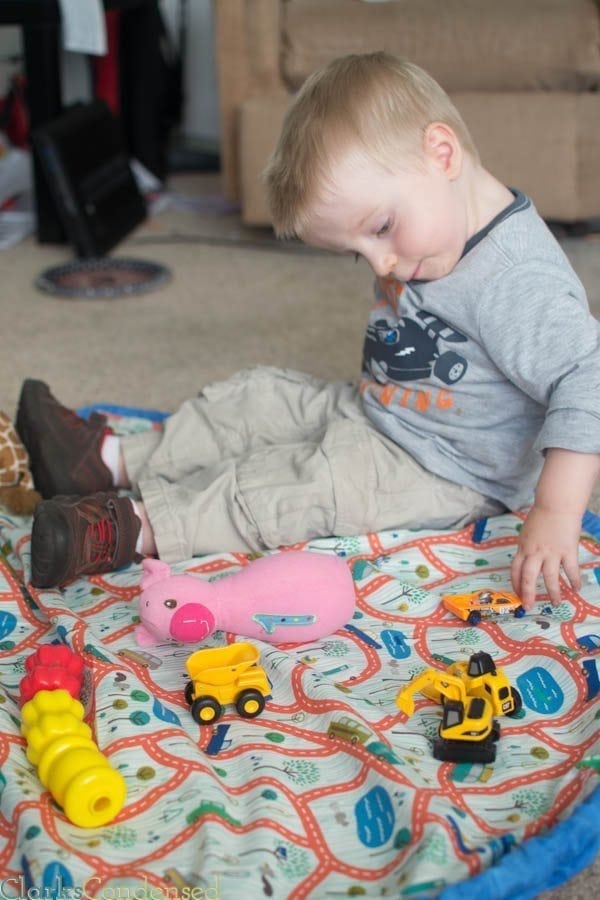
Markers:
(289, 597)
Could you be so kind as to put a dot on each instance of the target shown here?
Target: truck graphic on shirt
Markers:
(409, 350)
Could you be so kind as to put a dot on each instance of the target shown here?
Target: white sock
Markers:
(140, 538)
(110, 453)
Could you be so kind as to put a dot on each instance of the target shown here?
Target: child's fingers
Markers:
(515, 574)
(571, 570)
(526, 571)
(551, 573)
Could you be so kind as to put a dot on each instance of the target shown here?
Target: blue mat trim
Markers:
(154, 415)
(591, 524)
(552, 859)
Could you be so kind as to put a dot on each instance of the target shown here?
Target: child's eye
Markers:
(385, 228)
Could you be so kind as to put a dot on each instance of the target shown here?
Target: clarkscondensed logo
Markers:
(96, 888)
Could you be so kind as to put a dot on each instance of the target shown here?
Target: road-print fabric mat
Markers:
(274, 806)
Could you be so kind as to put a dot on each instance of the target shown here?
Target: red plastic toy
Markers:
(52, 667)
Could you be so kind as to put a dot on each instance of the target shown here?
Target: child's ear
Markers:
(443, 149)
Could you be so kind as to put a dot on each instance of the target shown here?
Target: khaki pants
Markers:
(273, 457)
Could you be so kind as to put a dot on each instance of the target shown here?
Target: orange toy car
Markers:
(478, 605)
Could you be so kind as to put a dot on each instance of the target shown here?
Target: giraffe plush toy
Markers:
(16, 484)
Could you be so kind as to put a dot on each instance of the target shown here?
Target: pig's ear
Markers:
(154, 570)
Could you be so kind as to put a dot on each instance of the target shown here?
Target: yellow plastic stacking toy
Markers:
(70, 765)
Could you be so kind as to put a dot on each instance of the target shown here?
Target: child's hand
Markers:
(549, 540)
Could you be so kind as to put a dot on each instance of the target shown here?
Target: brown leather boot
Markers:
(64, 450)
(74, 536)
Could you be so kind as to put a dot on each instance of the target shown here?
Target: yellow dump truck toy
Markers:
(221, 675)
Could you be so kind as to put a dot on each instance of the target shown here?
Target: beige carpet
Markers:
(226, 307)
(236, 298)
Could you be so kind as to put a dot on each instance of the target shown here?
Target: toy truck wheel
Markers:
(520, 612)
(189, 693)
(206, 710)
(517, 702)
(474, 617)
(250, 703)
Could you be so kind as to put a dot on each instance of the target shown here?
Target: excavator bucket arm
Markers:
(437, 686)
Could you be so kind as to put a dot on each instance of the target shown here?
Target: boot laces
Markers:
(101, 539)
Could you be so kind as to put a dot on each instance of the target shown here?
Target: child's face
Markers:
(410, 224)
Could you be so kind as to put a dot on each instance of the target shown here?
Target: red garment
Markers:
(106, 68)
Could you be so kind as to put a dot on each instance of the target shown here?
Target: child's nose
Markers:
(384, 264)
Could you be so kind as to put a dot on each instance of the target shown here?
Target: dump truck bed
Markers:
(221, 665)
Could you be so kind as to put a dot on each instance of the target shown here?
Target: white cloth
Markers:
(83, 26)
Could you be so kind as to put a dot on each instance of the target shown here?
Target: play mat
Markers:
(331, 791)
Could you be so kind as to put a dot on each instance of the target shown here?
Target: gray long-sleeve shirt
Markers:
(477, 373)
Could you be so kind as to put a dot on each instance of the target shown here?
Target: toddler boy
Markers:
(480, 368)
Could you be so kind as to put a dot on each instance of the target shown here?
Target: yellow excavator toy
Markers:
(471, 693)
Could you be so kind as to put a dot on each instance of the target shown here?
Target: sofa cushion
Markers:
(488, 44)
(546, 144)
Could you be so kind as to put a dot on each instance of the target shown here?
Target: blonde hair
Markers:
(375, 103)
